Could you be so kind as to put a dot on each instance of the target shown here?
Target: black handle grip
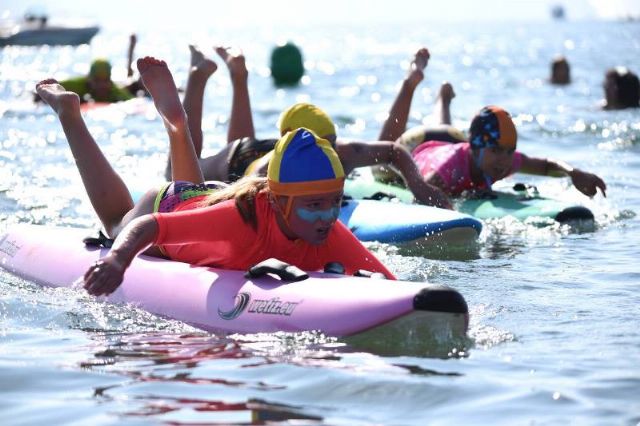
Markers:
(368, 274)
(100, 241)
(277, 267)
(334, 268)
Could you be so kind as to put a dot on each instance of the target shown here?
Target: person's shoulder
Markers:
(227, 214)
(462, 146)
(120, 93)
(461, 151)
(75, 83)
(519, 158)
(455, 148)
(262, 204)
(441, 146)
(262, 198)
(78, 79)
(198, 205)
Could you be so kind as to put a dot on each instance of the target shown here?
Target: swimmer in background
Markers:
(560, 71)
(291, 214)
(489, 155)
(246, 155)
(456, 164)
(135, 85)
(97, 85)
(621, 89)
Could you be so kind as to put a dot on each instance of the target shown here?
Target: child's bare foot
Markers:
(446, 92)
(235, 62)
(200, 64)
(159, 82)
(419, 63)
(60, 99)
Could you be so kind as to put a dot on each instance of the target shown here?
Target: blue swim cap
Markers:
(304, 164)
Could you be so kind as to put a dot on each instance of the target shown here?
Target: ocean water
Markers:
(554, 336)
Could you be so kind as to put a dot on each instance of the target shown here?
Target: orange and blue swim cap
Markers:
(304, 164)
(492, 126)
(308, 116)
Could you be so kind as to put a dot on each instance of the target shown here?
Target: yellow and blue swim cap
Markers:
(100, 68)
(308, 116)
(304, 164)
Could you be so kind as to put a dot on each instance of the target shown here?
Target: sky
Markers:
(141, 14)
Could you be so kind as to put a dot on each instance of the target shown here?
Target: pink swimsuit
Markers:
(452, 163)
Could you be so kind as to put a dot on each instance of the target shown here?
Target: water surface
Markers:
(554, 331)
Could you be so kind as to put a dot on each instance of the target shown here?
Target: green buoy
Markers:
(286, 65)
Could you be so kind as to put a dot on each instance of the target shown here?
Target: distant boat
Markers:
(34, 31)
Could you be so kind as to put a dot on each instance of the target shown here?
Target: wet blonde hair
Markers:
(244, 192)
(312, 167)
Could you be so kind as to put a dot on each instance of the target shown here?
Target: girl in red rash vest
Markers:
(291, 214)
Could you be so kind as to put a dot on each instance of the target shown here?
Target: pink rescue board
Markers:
(225, 300)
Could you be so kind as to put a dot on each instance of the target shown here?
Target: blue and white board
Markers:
(393, 222)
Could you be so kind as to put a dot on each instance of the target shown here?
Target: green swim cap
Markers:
(286, 65)
(100, 68)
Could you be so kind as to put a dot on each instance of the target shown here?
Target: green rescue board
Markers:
(521, 202)
(360, 189)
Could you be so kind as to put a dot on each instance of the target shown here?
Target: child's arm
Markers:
(361, 154)
(105, 275)
(585, 182)
(132, 46)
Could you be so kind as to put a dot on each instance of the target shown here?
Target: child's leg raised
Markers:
(199, 73)
(442, 107)
(396, 122)
(201, 69)
(107, 192)
(241, 120)
(159, 82)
